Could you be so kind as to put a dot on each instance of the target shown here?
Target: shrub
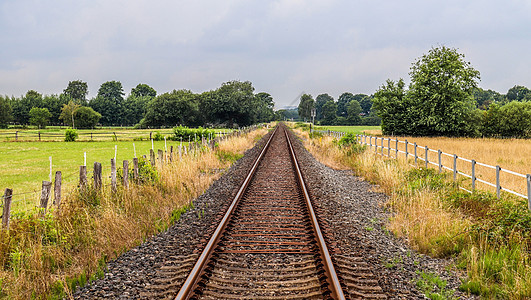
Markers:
(158, 136)
(70, 135)
(185, 133)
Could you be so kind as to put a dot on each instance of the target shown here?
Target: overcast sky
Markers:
(283, 47)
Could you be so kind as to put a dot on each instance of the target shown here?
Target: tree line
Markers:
(232, 104)
(444, 99)
(350, 109)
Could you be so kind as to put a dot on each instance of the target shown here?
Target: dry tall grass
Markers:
(489, 237)
(42, 257)
(509, 154)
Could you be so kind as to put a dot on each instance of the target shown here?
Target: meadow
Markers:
(47, 257)
(57, 134)
(350, 129)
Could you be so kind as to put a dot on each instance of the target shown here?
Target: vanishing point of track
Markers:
(269, 244)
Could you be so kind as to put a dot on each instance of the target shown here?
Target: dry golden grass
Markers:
(41, 257)
(419, 217)
(509, 154)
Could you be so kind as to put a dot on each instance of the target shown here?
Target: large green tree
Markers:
(109, 103)
(353, 113)
(263, 108)
(320, 100)
(398, 113)
(143, 90)
(6, 112)
(329, 113)
(305, 107)
(68, 113)
(342, 103)
(518, 93)
(77, 90)
(39, 117)
(175, 108)
(442, 86)
(21, 107)
(86, 117)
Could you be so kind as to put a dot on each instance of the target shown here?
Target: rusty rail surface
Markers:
(270, 222)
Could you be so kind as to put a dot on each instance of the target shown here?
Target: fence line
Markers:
(438, 161)
(164, 157)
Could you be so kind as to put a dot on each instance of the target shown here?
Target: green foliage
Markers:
(320, 101)
(439, 101)
(353, 112)
(77, 91)
(39, 117)
(191, 134)
(511, 120)
(169, 109)
(146, 173)
(305, 107)
(6, 112)
(329, 113)
(109, 103)
(143, 90)
(71, 135)
(433, 286)
(86, 117)
(158, 136)
(227, 156)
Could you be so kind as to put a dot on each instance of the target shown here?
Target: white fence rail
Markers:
(455, 164)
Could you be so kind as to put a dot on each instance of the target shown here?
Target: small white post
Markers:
(134, 149)
(473, 175)
(152, 148)
(529, 191)
(498, 186)
(165, 145)
(115, 150)
(50, 169)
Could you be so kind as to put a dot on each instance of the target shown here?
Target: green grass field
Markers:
(24, 165)
(349, 129)
(100, 134)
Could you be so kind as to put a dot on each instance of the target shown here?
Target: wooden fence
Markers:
(468, 168)
(163, 157)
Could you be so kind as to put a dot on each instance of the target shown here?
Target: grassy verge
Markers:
(489, 238)
(48, 257)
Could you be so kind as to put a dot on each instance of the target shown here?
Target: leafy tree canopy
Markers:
(305, 106)
(143, 90)
(39, 117)
(77, 90)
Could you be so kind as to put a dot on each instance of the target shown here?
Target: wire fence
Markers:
(476, 173)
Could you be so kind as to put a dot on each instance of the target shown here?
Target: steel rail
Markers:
(193, 278)
(332, 279)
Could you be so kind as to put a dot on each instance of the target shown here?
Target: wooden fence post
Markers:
(16, 135)
(171, 153)
(6, 213)
(97, 176)
(57, 189)
(152, 157)
(82, 178)
(126, 174)
(161, 157)
(113, 175)
(45, 195)
(135, 169)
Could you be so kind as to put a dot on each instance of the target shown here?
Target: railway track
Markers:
(269, 244)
